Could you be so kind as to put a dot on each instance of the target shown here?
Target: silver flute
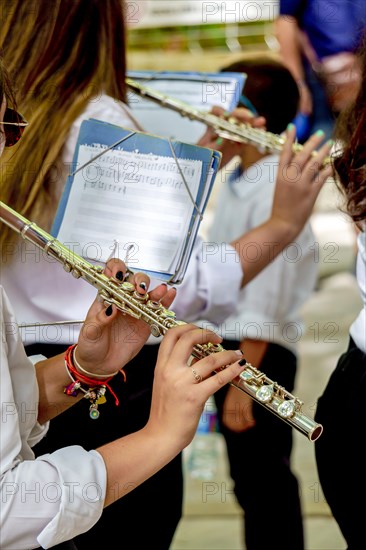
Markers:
(123, 296)
(226, 128)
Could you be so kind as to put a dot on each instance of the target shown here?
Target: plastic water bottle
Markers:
(203, 455)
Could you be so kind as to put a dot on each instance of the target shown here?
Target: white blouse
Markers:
(358, 328)
(52, 498)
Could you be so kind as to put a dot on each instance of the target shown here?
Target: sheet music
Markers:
(134, 198)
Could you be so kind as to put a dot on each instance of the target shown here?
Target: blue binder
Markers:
(125, 182)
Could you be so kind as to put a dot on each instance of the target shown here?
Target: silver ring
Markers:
(197, 376)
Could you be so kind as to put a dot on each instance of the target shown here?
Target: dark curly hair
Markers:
(350, 165)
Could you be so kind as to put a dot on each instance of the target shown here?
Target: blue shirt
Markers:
(332, 26)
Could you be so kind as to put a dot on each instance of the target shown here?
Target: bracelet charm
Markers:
(94, 389)
(96, 397)
(72, 389)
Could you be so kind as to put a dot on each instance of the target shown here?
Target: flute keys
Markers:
(155, 330)
(71, 269)
(214, 348)
(140, 297)
(128, 287)
(246, 375)
(156, 306)
(265, 393)
(287, 409)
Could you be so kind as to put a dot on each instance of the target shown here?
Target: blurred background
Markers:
(193, 35)
(197, 35)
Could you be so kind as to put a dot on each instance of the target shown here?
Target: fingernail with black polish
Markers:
(119, 275)
(242, 362)
(143, 286)
(109, 311)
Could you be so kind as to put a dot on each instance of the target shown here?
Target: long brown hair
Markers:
(6, 88)
(60, 54)
(350, 166)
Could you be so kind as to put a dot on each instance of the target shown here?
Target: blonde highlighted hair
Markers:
(59, 54)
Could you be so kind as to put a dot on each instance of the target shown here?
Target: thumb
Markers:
(99, 317)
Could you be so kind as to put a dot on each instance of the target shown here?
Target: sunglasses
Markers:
(14, 124)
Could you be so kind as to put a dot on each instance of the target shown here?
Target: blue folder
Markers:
(97, 201)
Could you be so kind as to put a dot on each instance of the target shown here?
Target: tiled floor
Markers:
(214, 522)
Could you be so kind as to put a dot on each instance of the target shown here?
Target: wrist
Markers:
(164, 443)
(284, 229)
(85, 372)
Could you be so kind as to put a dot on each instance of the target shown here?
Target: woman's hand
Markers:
(109, 339)
(179, 396)
(180, 392)
(229, 148)
(300, 178)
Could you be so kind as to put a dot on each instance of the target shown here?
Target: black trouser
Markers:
(148, 516)
(340, 451)
(259, 460)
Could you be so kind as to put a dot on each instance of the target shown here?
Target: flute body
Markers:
(226, 128)
(273, 397)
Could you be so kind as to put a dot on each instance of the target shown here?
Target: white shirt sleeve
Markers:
(55, 497)
(51, 499)
(268, 307)
(211, 283)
